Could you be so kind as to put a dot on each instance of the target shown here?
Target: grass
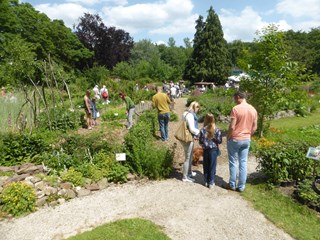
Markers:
(137, 229)
(296, 122)
(297, 220)
(9, 109)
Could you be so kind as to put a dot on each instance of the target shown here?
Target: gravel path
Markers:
(185, 211)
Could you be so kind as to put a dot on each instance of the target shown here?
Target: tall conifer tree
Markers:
(209, 61)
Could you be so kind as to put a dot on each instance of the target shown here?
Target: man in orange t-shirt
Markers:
(242, 126)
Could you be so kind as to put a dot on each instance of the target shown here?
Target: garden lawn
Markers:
(296, 122)
(138, 229)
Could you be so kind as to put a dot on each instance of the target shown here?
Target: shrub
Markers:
(307, 195)
(18, 198)
(60, 119)
(73, 176)
(283, 161)
(174, 117)
(20, 148)
(118, 173)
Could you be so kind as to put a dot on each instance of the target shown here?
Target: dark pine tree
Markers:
(209, 61)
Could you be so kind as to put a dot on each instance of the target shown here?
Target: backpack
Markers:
(104, 94)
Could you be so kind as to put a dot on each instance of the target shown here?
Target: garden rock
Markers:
(40, 185)
(53, 203)
(70, 193)
(50, 190)
(8, 169)
(284, 114)
(93, 187)
(83, 192)
(41, 201)
(61, 200)
(16, 178)
(3, 179)
(131, 177)
(66, 185)
(103, 183)
(30, 168)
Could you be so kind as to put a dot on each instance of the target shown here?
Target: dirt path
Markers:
(185, 211)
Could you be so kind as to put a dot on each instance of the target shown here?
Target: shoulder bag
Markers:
(183, 134)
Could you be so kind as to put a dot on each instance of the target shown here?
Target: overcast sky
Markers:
(159, 20)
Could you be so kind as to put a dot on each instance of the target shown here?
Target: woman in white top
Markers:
(192, 122)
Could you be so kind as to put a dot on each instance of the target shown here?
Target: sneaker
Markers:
(240, 190)
(206, 184)
(187, 179)
(89, 128)
(211, 186)
(228, 187)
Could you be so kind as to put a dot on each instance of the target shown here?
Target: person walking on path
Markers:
(190, 116)
(161, 102)
(210, 138)
(242, 126)
(88, 108)
(129, 107)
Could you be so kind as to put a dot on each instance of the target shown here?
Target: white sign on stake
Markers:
(120, 156)
(314, 153)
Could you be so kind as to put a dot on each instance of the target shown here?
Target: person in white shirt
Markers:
(192, 122)
(96, 92)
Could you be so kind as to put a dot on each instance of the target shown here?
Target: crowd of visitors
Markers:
(242, 126)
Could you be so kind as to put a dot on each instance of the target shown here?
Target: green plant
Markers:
(60, 119)
(20, 148)
(143, 156)
(53, 197)
(18, 198)
(282, 161)
(306, 193)
(73, 176)
(118, 173)
(9, 174)
(114, 114)
(173, 117)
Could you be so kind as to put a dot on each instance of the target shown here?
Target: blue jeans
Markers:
(163, 124)
(209, 165)
(238, 149)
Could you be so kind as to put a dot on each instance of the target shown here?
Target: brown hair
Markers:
(239, 94)
(210, 125)
(122, 94)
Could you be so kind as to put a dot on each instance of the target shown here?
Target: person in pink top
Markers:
(242, 126)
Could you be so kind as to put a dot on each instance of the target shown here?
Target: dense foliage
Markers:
(272, 75)
(110, 45)
(18, 198)
(143, 156)
(28, 38)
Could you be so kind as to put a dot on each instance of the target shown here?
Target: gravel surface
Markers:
(184, 211)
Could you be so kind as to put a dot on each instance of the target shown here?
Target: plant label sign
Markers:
(120, 156)
(313, 153)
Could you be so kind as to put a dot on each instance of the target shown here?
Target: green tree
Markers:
(272, 74)
(17, 60)
(144, 50)
(209, 61)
